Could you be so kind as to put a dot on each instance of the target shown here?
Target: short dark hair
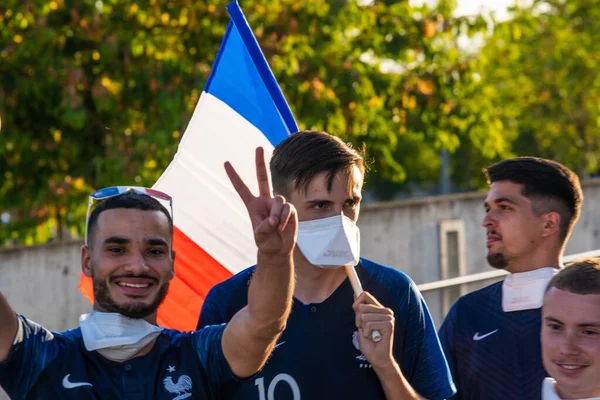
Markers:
(130, 200)
(548, 184)
(579, 277)
(303, 155)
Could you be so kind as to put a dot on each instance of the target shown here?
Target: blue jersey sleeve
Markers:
(33, 349)
(447, 338)
(212, 309)
(430, 376)
(226, 299)
(207, 342)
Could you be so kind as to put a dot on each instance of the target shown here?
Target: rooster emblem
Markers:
(181, 388)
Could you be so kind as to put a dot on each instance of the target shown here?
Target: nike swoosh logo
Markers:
(72, 385)
(277, 345)
(476, 336)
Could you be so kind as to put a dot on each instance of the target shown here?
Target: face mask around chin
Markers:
(330, 242)
(116, 336)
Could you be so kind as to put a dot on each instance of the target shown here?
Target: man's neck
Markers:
(567, 394)
(535, 262)
(314, 284)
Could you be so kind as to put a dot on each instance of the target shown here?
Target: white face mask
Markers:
(116, 336)
(525, 290)
(330, 242)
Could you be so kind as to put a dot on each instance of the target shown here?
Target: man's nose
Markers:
(137, 264)
(569, 344)
(488, 220)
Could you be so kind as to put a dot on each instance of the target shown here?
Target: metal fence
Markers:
(461, 280)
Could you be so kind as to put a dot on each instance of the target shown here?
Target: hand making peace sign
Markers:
(274, 221)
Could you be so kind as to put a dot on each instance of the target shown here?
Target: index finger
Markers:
(238, 184)
(262, 175)
(366, 298)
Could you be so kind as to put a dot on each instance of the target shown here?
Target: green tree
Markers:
(542, 67)
(98, 92)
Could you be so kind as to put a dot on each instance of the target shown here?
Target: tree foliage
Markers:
(96, 93)
(542, 70)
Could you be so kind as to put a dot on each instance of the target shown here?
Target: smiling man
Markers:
(491, 336)
(118, 352)
(571, 332)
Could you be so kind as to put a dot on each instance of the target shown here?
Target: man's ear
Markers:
(86, 261)
(551, 224)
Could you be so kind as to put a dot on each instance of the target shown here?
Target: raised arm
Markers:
(252, 333)
(8, 328)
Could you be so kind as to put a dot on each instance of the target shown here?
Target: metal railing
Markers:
(461, 280)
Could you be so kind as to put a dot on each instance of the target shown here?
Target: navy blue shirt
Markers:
(317, 356)
(48, 365)
(493, 354)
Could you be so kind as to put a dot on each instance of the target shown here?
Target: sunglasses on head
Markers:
(114, 191)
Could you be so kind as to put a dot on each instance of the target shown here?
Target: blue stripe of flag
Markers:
(242, 79)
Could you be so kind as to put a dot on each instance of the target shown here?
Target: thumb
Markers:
(264, 227)
(290, 231)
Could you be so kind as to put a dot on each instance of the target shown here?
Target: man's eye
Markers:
(554, 327)
(116, 250)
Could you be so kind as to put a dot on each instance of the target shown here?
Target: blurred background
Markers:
(98, 93)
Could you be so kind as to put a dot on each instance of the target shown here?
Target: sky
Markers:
(470, 7)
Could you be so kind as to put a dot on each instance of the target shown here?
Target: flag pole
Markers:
(357, 287)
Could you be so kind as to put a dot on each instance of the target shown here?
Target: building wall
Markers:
(41, 283)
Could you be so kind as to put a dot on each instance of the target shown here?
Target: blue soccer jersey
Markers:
(493, 354)
(317, 356)
(45, 365)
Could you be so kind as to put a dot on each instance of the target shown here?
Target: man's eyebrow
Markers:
(117, 240)
(317, 200)
(552, 319)
(505, 200)
(581, 325)
(589, 325)
(157, 242)
(499, 200)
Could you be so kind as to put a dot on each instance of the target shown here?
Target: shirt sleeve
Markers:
(208, 344)
(447, 339)
(33, 349)
(211, 313)
(422, 353)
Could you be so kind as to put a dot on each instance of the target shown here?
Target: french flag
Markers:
(241, 108)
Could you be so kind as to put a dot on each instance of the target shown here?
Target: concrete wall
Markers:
(41, 281)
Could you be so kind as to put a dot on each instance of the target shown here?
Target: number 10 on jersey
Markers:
(270, 393)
